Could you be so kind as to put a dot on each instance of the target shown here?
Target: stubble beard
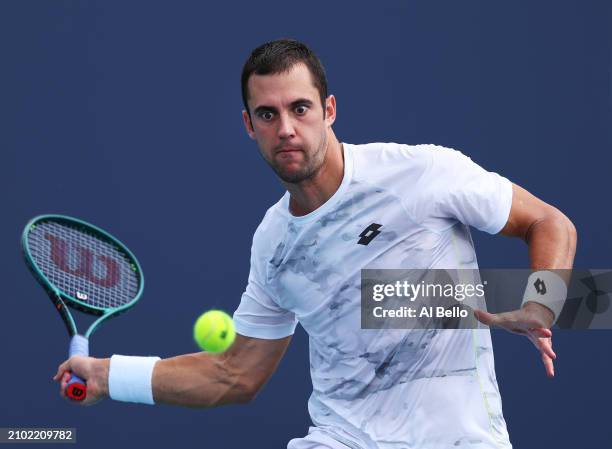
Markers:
(310, 167)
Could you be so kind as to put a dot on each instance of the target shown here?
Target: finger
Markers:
(490, 319)
(63, 383)
(61, 370)
(544, 345)
(546, 348)
(541, 332)
(548, 365)
(507, 320)
(65, 378)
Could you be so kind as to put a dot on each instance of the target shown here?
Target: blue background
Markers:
(127, 114)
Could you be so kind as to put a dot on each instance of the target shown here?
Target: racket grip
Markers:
(76, 388)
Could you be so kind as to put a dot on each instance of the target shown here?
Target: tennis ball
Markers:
(214, 331)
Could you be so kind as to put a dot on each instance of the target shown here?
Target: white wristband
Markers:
(129, 379)
(548, 289)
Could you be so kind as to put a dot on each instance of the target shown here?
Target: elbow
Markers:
(240, 388)
(246, 392)
(560, 221)
(551, 221)
(567, 229)
(251, 387)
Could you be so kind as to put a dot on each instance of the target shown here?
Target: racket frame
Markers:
(62, 299)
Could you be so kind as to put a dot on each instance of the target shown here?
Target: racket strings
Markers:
(84, 266)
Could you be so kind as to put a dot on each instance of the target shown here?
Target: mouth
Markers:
(288, 153)
(288, 150)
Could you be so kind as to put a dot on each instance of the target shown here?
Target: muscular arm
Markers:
(209, 380)
(551, 238)
(192, 380)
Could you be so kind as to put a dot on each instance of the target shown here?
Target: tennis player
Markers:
(349, 207)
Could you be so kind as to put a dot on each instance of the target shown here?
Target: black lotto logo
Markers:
(369, 233)
(540, 286)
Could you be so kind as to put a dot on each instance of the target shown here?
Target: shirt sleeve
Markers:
(258, 315)
(459, 189)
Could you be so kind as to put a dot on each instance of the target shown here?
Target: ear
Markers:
(248, 124)
(330, 110)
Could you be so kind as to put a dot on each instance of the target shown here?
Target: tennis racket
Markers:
(85, 268)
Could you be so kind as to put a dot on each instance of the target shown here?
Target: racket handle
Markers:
(76, 388)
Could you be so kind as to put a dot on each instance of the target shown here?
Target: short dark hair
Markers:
(280, 56)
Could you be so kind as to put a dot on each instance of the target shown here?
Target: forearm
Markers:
(199, 380)
(552, 246)
(192, 380)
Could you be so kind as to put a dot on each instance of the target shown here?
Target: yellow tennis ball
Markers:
(214, 331)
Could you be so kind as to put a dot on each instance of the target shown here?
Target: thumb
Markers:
(61, 370)
(485, 317)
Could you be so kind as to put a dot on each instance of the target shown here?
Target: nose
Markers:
(286, 129)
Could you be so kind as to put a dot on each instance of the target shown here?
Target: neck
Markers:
(312, 193)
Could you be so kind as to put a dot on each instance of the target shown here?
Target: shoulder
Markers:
(444, 156)
(389, 152)
(390, 161)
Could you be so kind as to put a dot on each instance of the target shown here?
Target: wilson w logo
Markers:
(86, 259)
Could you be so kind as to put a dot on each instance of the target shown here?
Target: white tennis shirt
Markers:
(383, 388)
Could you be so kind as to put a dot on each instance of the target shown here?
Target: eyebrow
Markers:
(295, 103)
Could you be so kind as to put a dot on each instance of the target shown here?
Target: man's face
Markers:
(288, 122)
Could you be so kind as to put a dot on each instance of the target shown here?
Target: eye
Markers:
(301, 109)
(266, 115)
